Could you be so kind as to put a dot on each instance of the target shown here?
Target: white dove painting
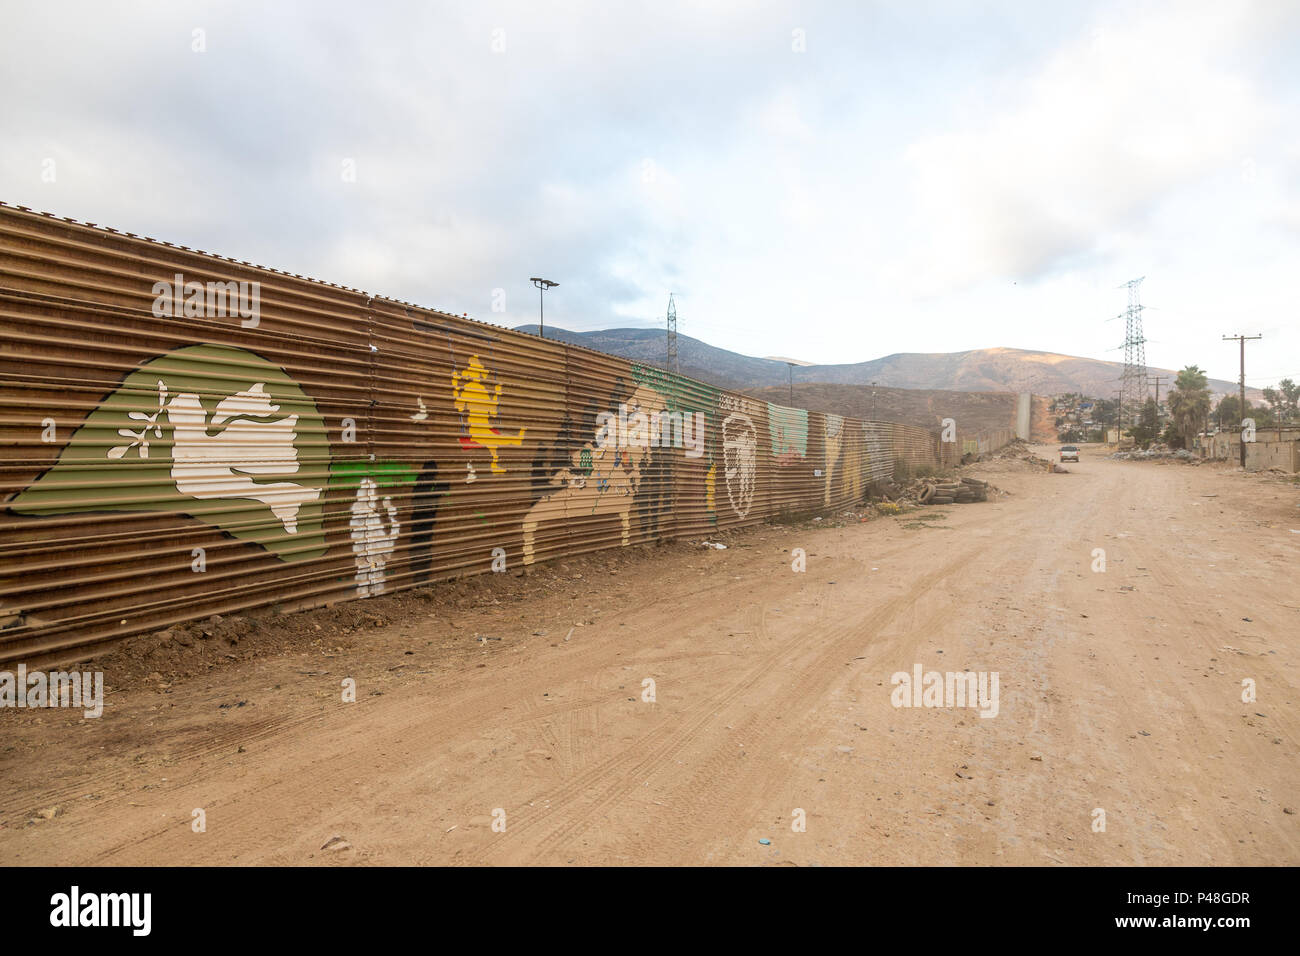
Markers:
(202, 423)
(222, 464)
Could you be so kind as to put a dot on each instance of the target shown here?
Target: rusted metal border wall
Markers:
(982, 443)
(184, 434)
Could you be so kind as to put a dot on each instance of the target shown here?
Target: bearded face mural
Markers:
(740, 458)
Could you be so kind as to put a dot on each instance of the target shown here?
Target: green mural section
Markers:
(214, 432)
(387, 475)
(680, 394)
(788, 428)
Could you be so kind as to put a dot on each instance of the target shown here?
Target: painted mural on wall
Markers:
(603, 474)
(788, 428)
(209, 431)
(852, 467)
(374, 536)
(698, 401)
(833, 429)
(878, 462)
(739, 452)
(478, 406)
(373, 523)
(427, 494)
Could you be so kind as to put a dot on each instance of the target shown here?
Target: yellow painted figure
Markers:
(480, 407)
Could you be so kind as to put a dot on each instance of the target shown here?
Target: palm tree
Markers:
(1189, 403)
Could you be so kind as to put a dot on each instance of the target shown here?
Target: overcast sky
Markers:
(829, 181)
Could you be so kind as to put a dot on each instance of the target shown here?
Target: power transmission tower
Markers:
(1133, 390)
(1243, 339)
(671, 363)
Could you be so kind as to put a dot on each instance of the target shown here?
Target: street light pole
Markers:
(873, 401)
(542, 286)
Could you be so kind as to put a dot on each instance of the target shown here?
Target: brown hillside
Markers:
(973, 411)
(1042, 424)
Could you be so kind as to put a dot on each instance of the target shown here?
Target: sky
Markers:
(833, 182)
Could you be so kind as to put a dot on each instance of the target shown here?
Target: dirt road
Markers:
(1119, 690)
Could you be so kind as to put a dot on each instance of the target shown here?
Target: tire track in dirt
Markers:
(652, 752)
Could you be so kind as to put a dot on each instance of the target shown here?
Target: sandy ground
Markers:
(1118, 690)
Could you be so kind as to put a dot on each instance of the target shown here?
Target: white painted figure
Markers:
(373, 540)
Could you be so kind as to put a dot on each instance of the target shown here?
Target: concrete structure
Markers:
(1272, 448)
(1023, 415)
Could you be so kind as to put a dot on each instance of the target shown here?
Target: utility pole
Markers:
(1157, 379)
(542, 286)
(873, 401)
(790, 366)
(1243, 339)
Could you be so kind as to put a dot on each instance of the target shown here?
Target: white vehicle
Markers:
(1069, 453)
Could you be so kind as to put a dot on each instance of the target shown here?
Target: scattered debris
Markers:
(946, 491)
(1017, 453)
(1161, 451)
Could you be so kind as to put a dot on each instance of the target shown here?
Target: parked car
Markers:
(1069, 453)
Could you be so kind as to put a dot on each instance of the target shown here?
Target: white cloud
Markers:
(879, 193)
(1101, 134)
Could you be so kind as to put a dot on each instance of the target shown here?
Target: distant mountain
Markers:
(925, 408)
(698, 359)
(979, 370)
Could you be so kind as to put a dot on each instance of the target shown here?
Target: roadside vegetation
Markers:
(1185, 411)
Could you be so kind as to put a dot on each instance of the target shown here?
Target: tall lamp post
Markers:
(873, 401)
(542, 286)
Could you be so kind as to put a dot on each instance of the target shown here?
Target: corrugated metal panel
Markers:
(290, 442)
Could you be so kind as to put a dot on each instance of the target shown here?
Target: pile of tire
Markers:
(954, 491)
(972, 489)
